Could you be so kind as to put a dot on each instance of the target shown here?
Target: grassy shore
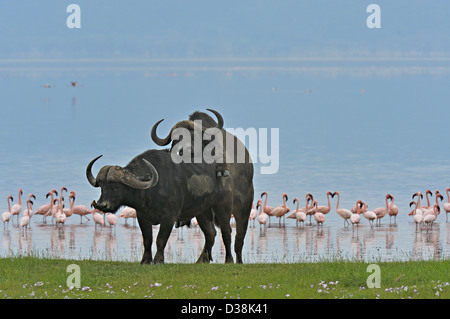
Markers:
(29, 277)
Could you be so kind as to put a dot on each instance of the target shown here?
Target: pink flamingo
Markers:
(17, 208)
(318, 216)
(356, 218)
(417, 212)
(60, 217)
(55, 209)
(419, 196)
(128, 212)
(429, 219)
(111, 219)
(370, 216)
(432, 209)
(6, 216)
(193, 221)
(293, 214)
(438, 196)
(253, 214)
(310, 211)
(393, 209)
(78, 209)
(300, 213)
(343, 212)
(301, 217)
(281, 210)
(98, 220)
(61, 198)
(355, 209)
(447, 205)
(25, 220)
(262, 217)
(267, 209)
(27, 211)
(325, 209)
(428, 200)
(45, 209)
(382, 211)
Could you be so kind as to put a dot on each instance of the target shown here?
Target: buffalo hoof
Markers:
(229, 260)
(159, 258)
(203, 259)
(146, 261)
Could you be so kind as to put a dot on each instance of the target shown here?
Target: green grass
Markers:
(30, 277)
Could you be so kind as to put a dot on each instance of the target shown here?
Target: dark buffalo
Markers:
(165, 193)
(240, 180)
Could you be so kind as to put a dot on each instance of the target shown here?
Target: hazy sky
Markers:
(251, 28)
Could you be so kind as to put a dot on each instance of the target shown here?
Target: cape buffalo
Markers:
(165, 193)
(240, 179)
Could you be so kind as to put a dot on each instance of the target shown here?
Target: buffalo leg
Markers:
(242, 214)
(161, 240)
(241, 231)
(147, 234)
(223, 215)
(226, 237)
(207, 227)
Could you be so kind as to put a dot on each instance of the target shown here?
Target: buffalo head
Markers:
(114, 182)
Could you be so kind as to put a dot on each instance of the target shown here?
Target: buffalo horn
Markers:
(188, 124)
(92, 180)
(130, 180)
(219, 118)
(156, 139)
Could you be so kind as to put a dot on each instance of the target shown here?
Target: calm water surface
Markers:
(361, 130)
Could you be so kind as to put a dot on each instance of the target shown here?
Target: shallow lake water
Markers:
(274, 243)
(362, 130)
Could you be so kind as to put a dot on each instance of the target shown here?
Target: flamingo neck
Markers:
(328, 197)
(337, 204)
(437, 199)
(428, 200)
(265, 201)
(72, 200)
(51, 202)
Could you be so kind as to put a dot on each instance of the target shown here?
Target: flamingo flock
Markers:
(423, 216)
(57, 210)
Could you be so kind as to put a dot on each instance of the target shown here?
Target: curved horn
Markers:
(130, 180)
(92, 180)
(188, 124)
(156, 139)
(219, 118)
